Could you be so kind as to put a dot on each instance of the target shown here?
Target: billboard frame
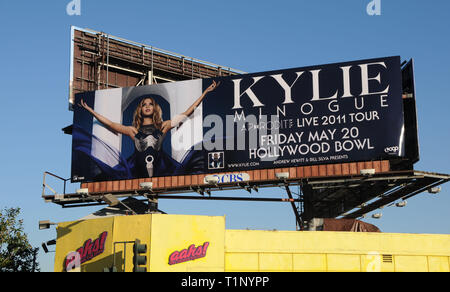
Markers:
(326, 177)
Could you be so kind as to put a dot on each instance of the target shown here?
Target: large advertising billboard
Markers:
(335, 113)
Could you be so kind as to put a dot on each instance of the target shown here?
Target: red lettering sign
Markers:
(90, 249)
(189, 254)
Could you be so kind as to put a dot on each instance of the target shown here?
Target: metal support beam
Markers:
(404, 193)
(175, 197)
(152, 204)
(294, 208)
(291, 200)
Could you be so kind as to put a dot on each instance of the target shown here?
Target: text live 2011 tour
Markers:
(346, 139)
(315, 142)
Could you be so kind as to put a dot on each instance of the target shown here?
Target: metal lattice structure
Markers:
(102, 61)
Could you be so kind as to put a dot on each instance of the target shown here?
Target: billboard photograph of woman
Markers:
(147, 131)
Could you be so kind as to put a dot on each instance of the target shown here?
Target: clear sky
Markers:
(252, 36)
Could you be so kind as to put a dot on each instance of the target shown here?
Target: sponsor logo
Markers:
(89, 250)
(191, 253)
(77, 178)
(391, 150)
(227, 178)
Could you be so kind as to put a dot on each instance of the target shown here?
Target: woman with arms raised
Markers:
(148, 132)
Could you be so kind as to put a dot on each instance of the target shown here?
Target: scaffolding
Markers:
(103, 61)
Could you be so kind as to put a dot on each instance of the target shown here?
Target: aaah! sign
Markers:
(89, 250)
(189, 254)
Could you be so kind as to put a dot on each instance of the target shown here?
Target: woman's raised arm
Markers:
(178, 119)
(192, 108)
(114, 127)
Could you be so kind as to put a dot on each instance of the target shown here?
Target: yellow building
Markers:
(182, 243)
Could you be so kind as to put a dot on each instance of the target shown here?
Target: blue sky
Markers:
(252, 36)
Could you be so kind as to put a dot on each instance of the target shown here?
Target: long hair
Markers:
(157, 114)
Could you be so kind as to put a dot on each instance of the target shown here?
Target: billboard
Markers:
(335, 113)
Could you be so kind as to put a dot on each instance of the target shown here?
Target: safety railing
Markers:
(45, 186)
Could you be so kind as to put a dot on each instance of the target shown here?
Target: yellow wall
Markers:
(73, 235)
(246, 250)
(335, 251)
(127, 229)
(172, 233)
(163, 234)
